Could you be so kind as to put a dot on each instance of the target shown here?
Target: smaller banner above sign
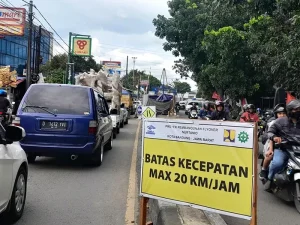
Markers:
(148, 112)
(82, 46)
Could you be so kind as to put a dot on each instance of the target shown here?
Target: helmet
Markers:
(3, 93)
(251, 106)
(294, 104)
(279, 108)
(245, 107)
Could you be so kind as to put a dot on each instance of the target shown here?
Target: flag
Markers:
(289, 97)
(216, 96)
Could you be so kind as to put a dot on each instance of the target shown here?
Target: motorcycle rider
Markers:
(289, 125)
(194, 107)
(244, 109)
(249, 115)
(279, 112)
(4, 104)
(220, 113)
(205, 111)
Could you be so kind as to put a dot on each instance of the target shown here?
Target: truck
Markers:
(127, 100)
(111, 88)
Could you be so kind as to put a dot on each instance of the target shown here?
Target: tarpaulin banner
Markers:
(203, 164)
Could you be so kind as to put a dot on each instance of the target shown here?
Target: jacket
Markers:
(216, 115)
(249, 117)
(4, 104)
(283, 127)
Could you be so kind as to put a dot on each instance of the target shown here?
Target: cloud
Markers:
(119, 28)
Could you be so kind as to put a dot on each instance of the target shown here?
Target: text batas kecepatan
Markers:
(203, 181)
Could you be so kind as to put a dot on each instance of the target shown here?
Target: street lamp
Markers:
(134, 58)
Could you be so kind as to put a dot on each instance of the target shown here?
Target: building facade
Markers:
(13, 50)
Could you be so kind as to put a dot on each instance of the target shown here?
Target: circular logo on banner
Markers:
(139, 109)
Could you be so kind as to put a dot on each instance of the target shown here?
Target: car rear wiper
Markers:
(39, 107)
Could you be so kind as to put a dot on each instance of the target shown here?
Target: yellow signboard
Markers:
(82, 46)
(148, 112)
(207, 165)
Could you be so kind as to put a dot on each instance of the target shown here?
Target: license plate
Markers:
(54, 125)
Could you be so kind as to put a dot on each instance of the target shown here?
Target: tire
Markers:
(97, 157)
(109, 144)
(122, 124)
(31, 158)
(18, 197)
(126, 122)
(114, 135)
(118, 129)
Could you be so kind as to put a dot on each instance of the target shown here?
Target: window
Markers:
(101, 104)
(58, 99)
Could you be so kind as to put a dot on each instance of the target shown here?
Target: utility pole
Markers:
(38, 51)
(134, 58)
(127, 66)
(163, 78)
(30, 20)
(148, 81)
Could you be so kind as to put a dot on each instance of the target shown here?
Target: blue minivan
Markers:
(64, 120)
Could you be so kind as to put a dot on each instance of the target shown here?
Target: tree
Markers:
(130, 84)
(234, 46)
(182, 87)
(56, 76)
(56, 68)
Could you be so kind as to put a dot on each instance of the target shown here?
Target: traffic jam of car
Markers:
(54, 120)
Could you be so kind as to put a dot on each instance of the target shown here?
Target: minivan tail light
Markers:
(93, 127)
(17, 121)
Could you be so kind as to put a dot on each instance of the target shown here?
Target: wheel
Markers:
(122, 124)
(114, 135)
(97, 157)
(31, 158)
(126, 121)
(18, 197)
(109, 144)
(118, 129)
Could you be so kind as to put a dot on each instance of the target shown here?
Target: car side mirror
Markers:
(14, 133)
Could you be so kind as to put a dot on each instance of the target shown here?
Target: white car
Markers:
(199, 105)
(13, 173)
(125, 115)
(116, 124)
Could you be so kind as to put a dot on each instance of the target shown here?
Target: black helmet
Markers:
(294, 104)
(279, 108)
(251, 106)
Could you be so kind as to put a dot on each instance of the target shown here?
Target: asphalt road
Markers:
(69, 193)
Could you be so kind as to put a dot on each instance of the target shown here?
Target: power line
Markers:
(50, 25)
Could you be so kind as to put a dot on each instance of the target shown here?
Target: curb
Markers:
(164, 213)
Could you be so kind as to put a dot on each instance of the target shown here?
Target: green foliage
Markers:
(56, 68)
(182, 87)
(56, 76)
(235, 47)
(131, 84)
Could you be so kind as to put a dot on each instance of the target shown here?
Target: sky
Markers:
(119, 28)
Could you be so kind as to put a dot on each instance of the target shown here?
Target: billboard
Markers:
(12, 21)
(112, 66)
(82, 46)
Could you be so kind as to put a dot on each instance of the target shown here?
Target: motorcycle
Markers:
(261, 127)
(193, 114)
(286, 184)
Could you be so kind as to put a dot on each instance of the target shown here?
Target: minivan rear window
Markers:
(57, 99)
